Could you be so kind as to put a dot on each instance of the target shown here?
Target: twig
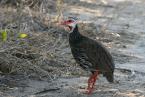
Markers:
(47, 90)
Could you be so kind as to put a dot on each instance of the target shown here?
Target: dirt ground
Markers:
(119, 25)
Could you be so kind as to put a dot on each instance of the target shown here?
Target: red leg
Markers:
(91, 82)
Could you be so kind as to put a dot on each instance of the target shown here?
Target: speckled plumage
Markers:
(91, 55)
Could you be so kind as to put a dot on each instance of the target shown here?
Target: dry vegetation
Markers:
(39, 53)
(45, 52)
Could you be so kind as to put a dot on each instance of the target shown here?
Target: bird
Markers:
(90, 54)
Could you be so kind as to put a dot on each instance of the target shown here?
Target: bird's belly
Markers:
(91, 61)
(90, 66)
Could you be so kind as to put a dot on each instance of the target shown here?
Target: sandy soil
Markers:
(124, 21)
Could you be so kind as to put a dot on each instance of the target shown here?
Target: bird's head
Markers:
(70, 23)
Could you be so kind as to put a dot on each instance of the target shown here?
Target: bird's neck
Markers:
(75, 35)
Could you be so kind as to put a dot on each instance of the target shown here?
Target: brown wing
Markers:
(98, 56)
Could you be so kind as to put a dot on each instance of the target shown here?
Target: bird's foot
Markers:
(86, 91)
(89, 91)
(90, 88)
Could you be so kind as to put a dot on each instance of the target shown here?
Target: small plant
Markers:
(4, 34)
(22, 35)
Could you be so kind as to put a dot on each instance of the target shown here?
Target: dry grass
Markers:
(45, 52)
(41, 52)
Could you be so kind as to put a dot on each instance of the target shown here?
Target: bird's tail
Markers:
(109, 76)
